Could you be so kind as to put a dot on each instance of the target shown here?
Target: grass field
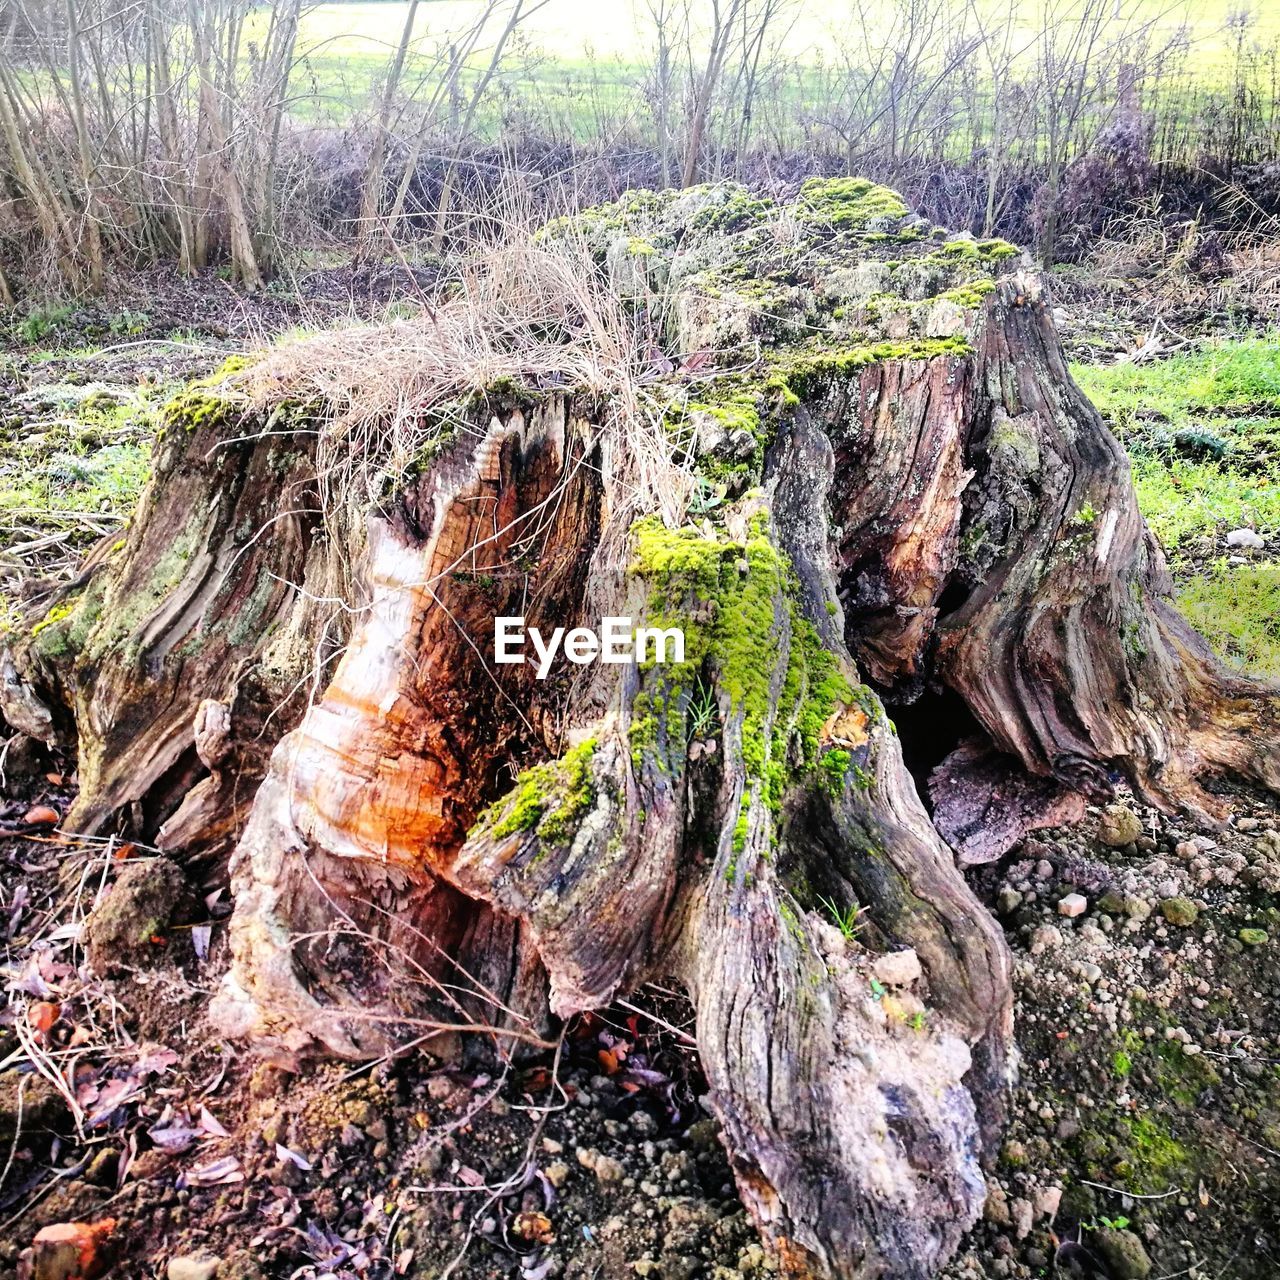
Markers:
(1203, 431)
(579, 67)
(571, 31)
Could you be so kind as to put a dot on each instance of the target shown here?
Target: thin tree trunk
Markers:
(174, 184)
(88, 176)
(50, 213)
(705, 94)
(369, 230)
(244, 262)
(518, 14)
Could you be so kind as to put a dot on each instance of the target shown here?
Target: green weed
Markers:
(846, 919)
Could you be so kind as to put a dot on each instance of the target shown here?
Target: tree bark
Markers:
(440, 841)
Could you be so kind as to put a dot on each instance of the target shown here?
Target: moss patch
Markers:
(550, 799)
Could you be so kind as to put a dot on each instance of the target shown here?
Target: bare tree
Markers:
(371, 198)
(724, 16)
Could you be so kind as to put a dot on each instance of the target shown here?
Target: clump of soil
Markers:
(133, 922)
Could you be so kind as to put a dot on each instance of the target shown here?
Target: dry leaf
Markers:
(283, 1153)
(218, 1172)
(210, 1125)
(42, 1015)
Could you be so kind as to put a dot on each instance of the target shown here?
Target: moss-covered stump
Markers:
(871, 480)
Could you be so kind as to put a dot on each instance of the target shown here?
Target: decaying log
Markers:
(900, 495)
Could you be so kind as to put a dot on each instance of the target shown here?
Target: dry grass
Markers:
(1164, 255)
(538, 315)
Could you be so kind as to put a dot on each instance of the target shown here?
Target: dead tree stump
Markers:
(892, 493)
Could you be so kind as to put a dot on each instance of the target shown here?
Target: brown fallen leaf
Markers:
(42, 1015)
(41, 815)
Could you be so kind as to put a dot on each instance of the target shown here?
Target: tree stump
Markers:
(875, 486)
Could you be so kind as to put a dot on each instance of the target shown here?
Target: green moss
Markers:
(805, 374)
(997, 250)
(731, 211)
(1155, 1160)
(735, 602)
(204, 402)
(550, 799)
(835, 768)
(848, 203)
(57, 614)
(971, 294)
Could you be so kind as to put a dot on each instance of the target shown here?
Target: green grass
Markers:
(582, 65)
(1186, 500)
(1237, 609)
(89, 458)
(1203, 432)
(573, 30)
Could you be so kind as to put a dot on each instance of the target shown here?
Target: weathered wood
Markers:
(217, 592)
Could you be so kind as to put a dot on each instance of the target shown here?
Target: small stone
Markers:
(1045, 938)
(1179, 911)
(1023, 1213)
(1111, 903)
(606, 1168)
(1247, 824)
(1123, 1252)
(557, 1173)
(102, 1168)
(1072, 905)
(1047, 1203)
(1008, 901)
(1118, 826)
(643, 1124)
(996, 1209)
(131, 923)
(194, 1266)
(1253, 937)
(1137, 908)
(897, 968)
(1246, 538)
(72, 1250)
